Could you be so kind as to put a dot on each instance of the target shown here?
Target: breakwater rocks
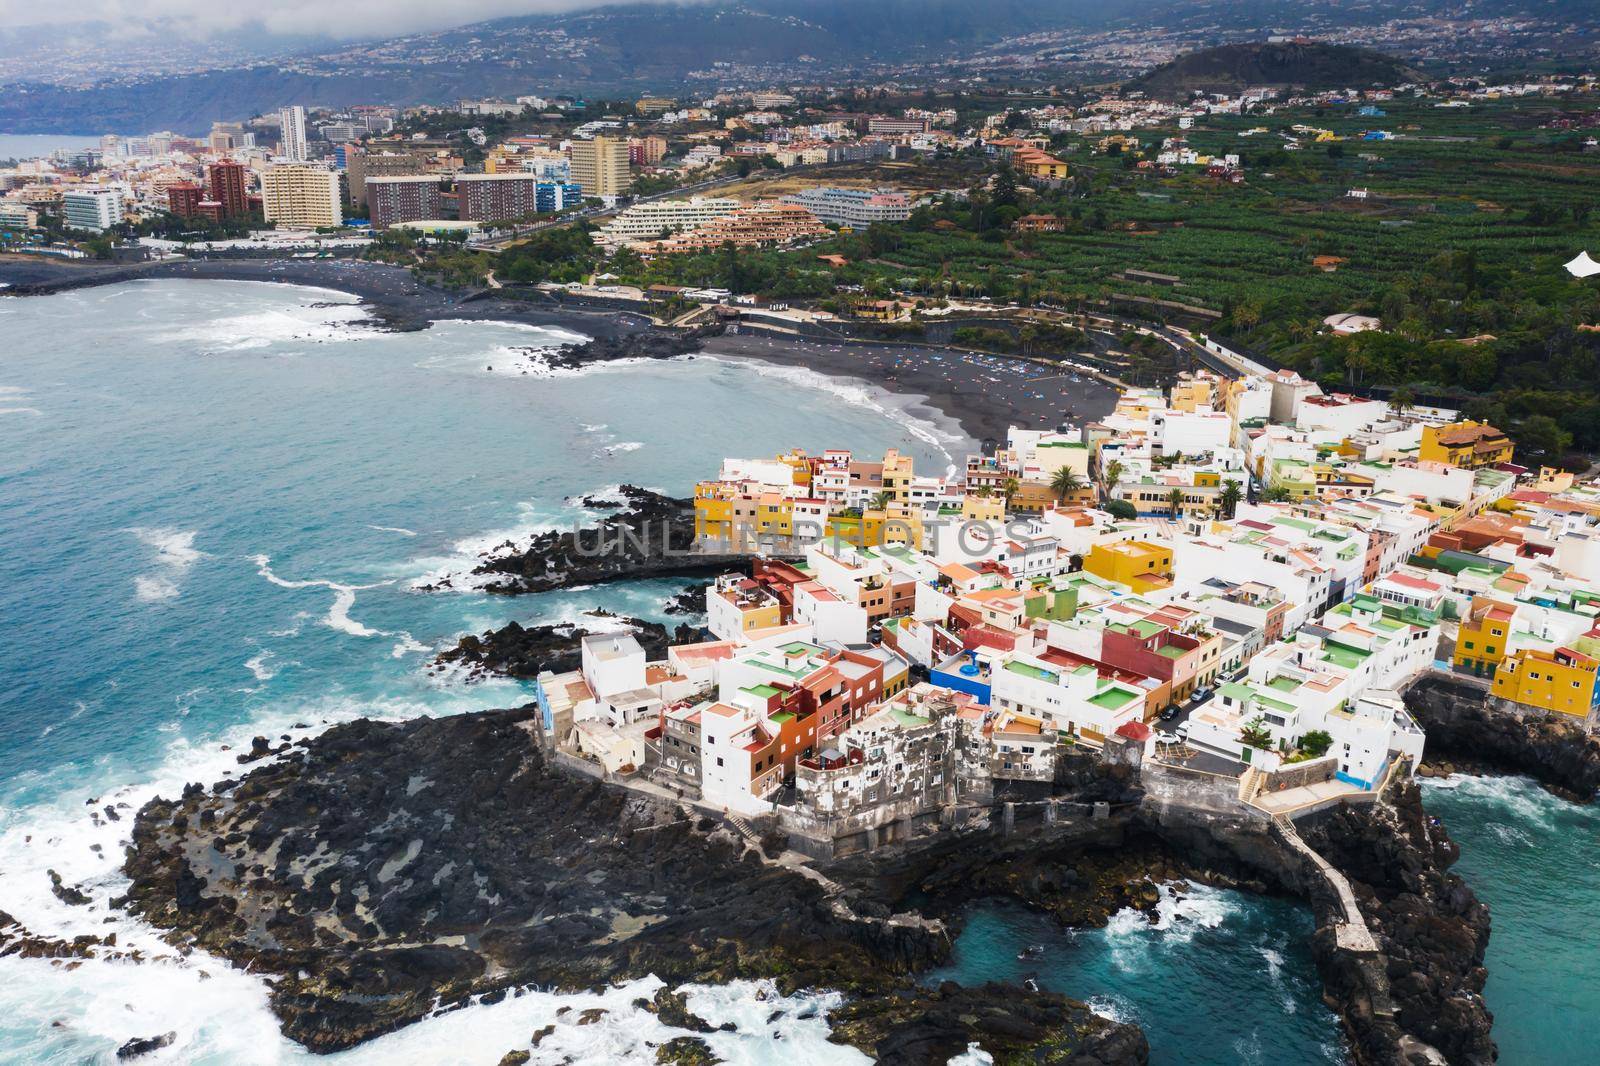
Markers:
(649, 535)
(515, 650)
(1472, 731)
(645, 344)
(381, 869)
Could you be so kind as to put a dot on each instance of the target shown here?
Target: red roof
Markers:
(1135, 731)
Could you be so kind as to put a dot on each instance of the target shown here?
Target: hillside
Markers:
(631, 48)
(1231, 67)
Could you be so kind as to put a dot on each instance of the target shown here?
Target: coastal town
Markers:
(746, 548)
(1232, 584)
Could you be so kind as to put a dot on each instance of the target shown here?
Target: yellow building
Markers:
(897, 475)
(975, 508)
(301, 195)
(1560, 680)
(1128, 562)
(1481, 640)
(600, 166)
(1192, 392)
(1467, 444)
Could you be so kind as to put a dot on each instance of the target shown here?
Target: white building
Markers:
(657, 218)
(93, 209)
(292, 133)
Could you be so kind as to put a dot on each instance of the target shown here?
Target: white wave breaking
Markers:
(175, 555)
(344, 598)
(856, 393)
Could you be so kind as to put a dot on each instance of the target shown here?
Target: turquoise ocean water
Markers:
(215, 499)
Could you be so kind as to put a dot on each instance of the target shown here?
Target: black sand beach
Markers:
(984, 394)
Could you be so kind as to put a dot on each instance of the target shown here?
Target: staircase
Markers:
(1250, 784)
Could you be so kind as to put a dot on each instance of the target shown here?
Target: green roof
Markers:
(906, 718)
(1112, 697)
(1029, 670)
(1235, 691)
(766, 692)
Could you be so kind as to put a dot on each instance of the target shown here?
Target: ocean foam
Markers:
(219, 1013)
(1177, 919)
(402, 531)
(175, 554)
(257, 665)
(344, 597)
(327, 319)
(857, 393)
(1520, 797)
(468, 552)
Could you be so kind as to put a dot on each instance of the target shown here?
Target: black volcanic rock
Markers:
(1431, 928)
(515, 650)
(145, 1045)
(1313, 65)
(650, 536)
(646, 344)
(383, 869)
(1466, 732)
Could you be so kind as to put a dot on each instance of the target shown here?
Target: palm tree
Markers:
(1010, 489)
(882, 500)
(1231, 495)
(1175, 502)
(1113, 474)
(1065, 483)
(1401, 400)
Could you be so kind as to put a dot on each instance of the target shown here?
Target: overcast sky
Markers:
(337, 18)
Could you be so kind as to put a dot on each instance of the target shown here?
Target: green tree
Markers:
(1004, 190)
(1256, 735)
(1228, 501)
(1316, 743)
(1112, 475)
(1065, 483)
(1544, 435)
(1175, 502)
(1122, 510)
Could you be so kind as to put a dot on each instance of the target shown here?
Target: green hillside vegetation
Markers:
(1467, 223)
(1230, 67)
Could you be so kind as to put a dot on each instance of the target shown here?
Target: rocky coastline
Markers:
(646, 535)
(519, 651)
(1469, 731)
(380, 870)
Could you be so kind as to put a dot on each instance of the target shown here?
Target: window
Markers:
(719, 760)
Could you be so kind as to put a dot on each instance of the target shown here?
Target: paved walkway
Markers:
(1351, 934)
(1291, 799)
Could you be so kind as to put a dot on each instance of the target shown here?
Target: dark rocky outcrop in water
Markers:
(651, 535)
(515, 650)
(646, 344)
(1470, 731)
(380, 869)
(145, 1045)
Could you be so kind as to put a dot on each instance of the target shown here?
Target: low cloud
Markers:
(297, 18)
